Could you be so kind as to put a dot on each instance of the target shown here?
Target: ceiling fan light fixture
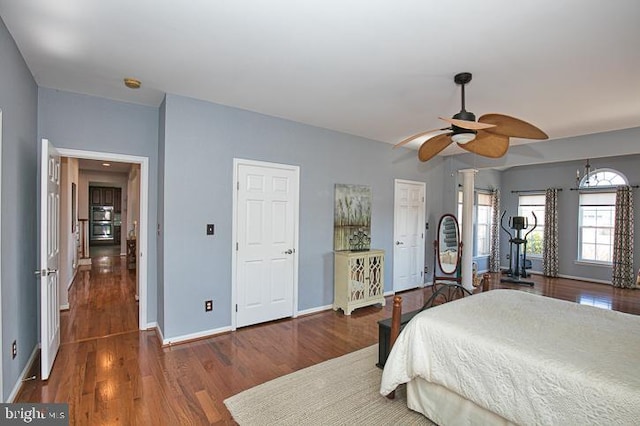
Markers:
(463, 138)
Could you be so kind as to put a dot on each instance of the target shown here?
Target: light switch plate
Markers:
(210, 229)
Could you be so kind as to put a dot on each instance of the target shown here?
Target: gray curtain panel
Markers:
(550, 241)
(623, 240)
(494, 255)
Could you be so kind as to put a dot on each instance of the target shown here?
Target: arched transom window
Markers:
(603, 178)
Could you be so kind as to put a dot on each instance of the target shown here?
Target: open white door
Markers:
(408, 233)
(49, 254)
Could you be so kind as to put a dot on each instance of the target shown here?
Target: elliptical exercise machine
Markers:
(517, 271)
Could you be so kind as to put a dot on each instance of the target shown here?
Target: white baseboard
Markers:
(193, 336)
(591, 280)
(571, 277)
(314, 310)
(85, 261)
(23, 374)
(64, 307)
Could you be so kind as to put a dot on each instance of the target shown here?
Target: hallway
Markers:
(102, 301)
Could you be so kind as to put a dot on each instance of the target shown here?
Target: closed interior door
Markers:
(266, 242)
(409, 237)
(49, 256)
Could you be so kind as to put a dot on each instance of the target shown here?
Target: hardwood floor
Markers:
(111, 373)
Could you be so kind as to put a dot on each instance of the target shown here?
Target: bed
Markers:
(511, 357)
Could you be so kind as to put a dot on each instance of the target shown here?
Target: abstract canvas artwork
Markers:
(352, 218)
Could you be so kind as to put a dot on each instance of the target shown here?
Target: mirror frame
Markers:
(438, 242)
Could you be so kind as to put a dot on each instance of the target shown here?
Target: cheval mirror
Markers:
(447, 251)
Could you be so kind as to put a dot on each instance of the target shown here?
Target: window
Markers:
(484, 216)
(528, 205)
(597, 215)
(482, 226)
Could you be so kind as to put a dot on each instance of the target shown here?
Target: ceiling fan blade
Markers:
(488, 144)
(469, 125)
(511, 126)
(431, 147)
(416, 136)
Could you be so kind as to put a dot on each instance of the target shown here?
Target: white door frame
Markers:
(143, 251)
(423, 220)
(234, 233)
(1, 341)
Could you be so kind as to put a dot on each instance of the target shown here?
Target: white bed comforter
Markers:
(528, 358)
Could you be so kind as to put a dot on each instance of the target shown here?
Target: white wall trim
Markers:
(1, 341)
(315, 310)
(234, 233)
(143, 242)
(193, 336)
(571, 277)
(23, 374)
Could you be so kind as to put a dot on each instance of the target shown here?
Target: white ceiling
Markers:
(382, 69)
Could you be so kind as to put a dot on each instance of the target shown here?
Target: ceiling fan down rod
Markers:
(462, 79)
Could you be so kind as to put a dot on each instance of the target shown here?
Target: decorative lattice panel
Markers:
(375, 276)
(357, 273)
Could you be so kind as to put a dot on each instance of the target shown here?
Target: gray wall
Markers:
(18, 101)
(563, 175)
(89, 123)
(201, 139)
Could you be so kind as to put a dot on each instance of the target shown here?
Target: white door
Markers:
(267, 214)
(49, 254)
(408, 232)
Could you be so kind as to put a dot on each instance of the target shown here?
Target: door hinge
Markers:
(422, 235)
(236, 307)
(423, 199)
(236, 246)
(238, 185)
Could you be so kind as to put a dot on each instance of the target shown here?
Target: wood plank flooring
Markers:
(111, 373)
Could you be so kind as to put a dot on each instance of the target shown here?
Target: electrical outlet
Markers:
(14, 349)
(208, 305)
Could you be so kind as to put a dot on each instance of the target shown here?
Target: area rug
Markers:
(341, 391)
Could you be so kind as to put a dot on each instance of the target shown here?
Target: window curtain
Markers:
(550, 241)
(623, 240)
(494, 254)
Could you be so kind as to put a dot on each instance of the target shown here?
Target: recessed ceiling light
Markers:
(106, 164)
(132, 83)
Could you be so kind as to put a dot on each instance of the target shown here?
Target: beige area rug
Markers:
(341, 391)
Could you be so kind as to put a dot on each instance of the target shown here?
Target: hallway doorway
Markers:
(93, 277)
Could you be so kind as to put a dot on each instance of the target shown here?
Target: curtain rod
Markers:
(600, 188)
(479, 189)
(533, 190)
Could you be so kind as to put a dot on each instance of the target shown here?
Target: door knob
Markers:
(288, 251)
(46, 272)
(399, 243)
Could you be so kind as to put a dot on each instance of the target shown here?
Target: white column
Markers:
(468, 179)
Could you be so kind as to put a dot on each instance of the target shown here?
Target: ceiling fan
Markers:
(489, 136)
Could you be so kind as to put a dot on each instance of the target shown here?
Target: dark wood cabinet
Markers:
(96, 196)
(117, 234)
(117, 200)
(106, 196)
